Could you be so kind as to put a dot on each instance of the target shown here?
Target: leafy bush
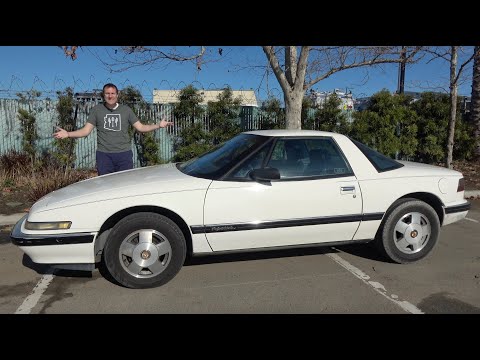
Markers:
(223, 124)
(329, 117)
(191, 142)
(223, 117)
(28, 121)
(433, 111)
(389, 125)
(65, 148)
(273, 115)
(146, 144)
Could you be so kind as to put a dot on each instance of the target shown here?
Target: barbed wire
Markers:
(15, 85)
(48, 89)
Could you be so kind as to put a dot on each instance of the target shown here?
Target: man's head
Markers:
(110, 94)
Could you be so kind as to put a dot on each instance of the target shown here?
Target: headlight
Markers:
(59, 225)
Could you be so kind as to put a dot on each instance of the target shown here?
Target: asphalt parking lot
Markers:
(348, 280)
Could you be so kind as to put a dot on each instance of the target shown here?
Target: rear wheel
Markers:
(144, 250)
(410, 231)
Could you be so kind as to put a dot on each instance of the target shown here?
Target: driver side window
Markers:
(290, 156)
(255, 162)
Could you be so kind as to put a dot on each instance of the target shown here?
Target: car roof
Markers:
(284, 132)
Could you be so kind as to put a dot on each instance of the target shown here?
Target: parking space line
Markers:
(405, 305)
(471, 220)
(32, 299)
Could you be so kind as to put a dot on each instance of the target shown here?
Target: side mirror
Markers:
(265, 174)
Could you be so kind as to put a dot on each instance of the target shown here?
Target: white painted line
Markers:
(32, 299)
(471, 220)
(405, 305)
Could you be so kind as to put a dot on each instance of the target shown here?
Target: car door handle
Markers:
(347, 189)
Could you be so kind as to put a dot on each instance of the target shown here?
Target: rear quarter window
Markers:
(379, 161)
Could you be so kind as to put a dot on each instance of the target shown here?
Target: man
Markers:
(114, 152)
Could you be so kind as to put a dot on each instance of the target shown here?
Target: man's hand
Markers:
(164, 123)
(60, 134)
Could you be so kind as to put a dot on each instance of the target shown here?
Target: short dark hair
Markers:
(109, 85)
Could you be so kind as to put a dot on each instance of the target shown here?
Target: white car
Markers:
(260, 190)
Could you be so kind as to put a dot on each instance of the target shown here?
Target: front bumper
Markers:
(73, 250)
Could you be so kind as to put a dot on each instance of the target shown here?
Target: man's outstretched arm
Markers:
(62, 133)
(143, 128)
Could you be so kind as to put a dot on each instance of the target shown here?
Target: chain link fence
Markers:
(44, 110)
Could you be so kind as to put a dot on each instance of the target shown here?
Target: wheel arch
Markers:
(429, 198)
(115, 218)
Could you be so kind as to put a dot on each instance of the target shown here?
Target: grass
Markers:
(47, 180)
(36, 179)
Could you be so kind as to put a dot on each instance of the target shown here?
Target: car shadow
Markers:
(366, 251)
(5, 238)
(255, 255)
(43, 269)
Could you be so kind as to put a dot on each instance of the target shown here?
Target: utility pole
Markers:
(401, 72)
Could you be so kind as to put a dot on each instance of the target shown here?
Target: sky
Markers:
(45, 68)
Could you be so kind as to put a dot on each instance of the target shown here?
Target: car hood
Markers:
(411, 168)
(141, 181)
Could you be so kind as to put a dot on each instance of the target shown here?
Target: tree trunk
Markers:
(293, 110)
(475, 102)
(291, 64)
(453, 106)
(292, 81)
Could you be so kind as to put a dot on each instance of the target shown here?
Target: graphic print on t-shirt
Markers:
(112, 122)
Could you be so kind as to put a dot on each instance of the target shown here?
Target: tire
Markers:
(410, 231)
(144, 250)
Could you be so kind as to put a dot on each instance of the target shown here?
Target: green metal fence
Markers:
(47, 119)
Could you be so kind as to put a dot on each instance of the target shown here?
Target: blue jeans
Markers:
(112, 162)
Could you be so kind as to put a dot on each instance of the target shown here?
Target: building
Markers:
(346, 100)
(84, 97)
(360, 104)
(319, 98)
(247, 97)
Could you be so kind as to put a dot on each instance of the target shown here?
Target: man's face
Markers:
(110, 95)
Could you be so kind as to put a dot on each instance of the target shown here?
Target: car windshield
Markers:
(215, 163)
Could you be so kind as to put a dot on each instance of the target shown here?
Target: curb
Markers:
(472, 194)
(10, 219)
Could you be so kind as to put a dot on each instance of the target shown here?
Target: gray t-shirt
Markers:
(112, 127)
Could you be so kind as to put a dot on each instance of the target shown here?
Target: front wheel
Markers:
(410, 231)
(144, 250)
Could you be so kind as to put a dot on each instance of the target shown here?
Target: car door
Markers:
(316, 199)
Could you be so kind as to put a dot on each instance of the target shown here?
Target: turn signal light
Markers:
(60, 225)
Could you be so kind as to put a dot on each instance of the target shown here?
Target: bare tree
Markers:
(127, 57)
(450, 54)
(453, 103)
(475, 100)
(298, 74)
(70, 51)
(294, 71)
